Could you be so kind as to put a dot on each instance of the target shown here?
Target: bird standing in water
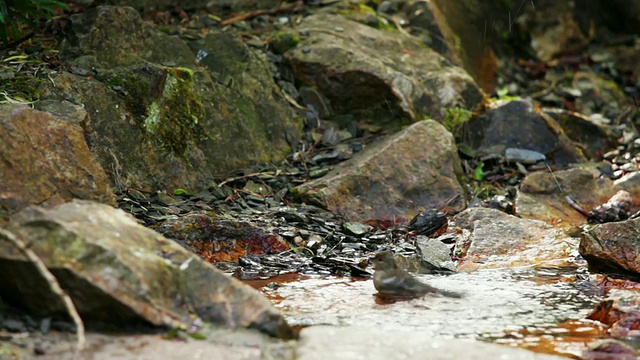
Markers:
(390, 279)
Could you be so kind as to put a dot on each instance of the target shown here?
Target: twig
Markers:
(402, 31)
(53, 284)
(294, 7)
(326, 31)
(13, 44)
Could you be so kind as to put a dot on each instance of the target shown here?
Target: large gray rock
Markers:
(157, 118)
(395, 179)
(45, 159)
(119, 273)
(378, 75)
(360, 343)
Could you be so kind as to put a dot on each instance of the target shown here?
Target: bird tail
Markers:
(451, 294)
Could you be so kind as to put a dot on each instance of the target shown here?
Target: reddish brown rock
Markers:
(612, 247)
(622, 317)
(45, 160)
(609, 350)
(220, 238)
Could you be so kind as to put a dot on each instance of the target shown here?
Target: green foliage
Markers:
(28, 12)
(179, 192)
(478, 174)
(454, 118)
(503, 94)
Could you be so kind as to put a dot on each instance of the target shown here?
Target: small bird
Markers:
(390, 279)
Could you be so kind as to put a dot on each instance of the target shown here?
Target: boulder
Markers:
(377, 75)
(394, 179)
(119, 273)
(46, 160)
(157, 117)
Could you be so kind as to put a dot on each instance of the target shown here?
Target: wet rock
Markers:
(393, 179)
(543, 195)
(120, 274)
(427, 222)
(593, 138)
(218, 237)
(517, 124)
(622, 316)
(490, 238)
(617, 208)
(523, 156)
(435, 254)
(356, 229)
(384, 76)
(350, 343)
(157, 118)
(612, 247)
(46, 160)
(609, 350)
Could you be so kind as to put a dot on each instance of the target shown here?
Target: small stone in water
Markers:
(356, 229)
(318, 173)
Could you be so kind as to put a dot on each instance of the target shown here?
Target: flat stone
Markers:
(360, 343)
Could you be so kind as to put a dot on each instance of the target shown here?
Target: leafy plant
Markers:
(28, 12)
(478, 173)
(454, 118)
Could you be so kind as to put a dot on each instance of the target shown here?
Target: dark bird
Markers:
(390, 279)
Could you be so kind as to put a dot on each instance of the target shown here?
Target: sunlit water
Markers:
(516, 306)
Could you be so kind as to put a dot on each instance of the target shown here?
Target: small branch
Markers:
(13, 44)
(294, 7)
(53, 284)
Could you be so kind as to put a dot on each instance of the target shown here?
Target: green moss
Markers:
(365, 14)
(282, 41)
(21, 77)
(364, 9)
(183, 73)
(180, 113)
(136, 98)
(454, 118)
(114, 80)
(172, 120)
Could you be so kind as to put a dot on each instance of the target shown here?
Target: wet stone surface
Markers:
(526, 307)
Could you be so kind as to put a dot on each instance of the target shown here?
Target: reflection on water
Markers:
(517, 306)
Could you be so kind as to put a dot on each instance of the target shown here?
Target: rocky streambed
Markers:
(285, 147)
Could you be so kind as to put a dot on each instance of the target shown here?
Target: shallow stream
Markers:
(542, 309)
